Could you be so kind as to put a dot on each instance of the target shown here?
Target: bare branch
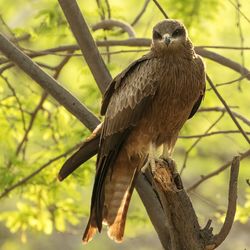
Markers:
(221, 47)
(228, 109)
(17, 100)
(30, 176)
(87, 45)
(138, 17)
(161, 9)
(145, 42)
(154, 209)
(223, 61)
(108, 8)
(229, 82)
(197, 141)
(44, 96)
(236, 7)
(48, 83)
(221, 109)
(218, 171)
(31, 122)
(109, 24)
(180, 217)
(232, 202)
(212, 133)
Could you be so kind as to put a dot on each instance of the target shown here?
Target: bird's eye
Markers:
(178, 32)
(156, 35)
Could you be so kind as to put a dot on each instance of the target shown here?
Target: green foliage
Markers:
(42, 204)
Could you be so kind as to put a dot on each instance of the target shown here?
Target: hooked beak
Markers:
(167, 39)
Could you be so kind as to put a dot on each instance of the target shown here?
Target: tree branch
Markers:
(218, 171)
(231, 208)
(154, 209)
(145, 42)
(221, 109)
(228, 109)
(27, 178)
(212, 133)
(179, 215)
(223, 61)
(109, 24)
(89, 50)
(161, 9)
(48, 83)
(197, 141)
(138, 17)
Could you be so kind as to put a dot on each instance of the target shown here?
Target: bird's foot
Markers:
(173, 168)
(150, 164)
(170, 162)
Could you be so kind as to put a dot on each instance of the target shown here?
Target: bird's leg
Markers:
(167, 157)
(151, 159)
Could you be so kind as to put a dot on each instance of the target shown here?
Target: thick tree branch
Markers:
(180, 217)
(48, 83)
(87, 45)
(154, 209)
(223, 61)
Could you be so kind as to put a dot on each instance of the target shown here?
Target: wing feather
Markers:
(196, 106)
(125, 102)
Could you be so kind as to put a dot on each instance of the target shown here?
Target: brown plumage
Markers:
(145, 107)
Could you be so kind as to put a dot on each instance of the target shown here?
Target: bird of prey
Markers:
(145, 107)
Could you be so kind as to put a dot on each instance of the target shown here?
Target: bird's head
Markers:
(169, 35)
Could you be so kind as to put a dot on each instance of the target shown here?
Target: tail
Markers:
(88, 149)
(118, 188)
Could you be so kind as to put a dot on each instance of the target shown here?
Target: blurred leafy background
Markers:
(45, 214)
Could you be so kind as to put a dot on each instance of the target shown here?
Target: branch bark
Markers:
(89, 50)
(145, 42)
(49, 84)
(179, 215)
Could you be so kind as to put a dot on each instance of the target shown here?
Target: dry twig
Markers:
(228, 109)
(217, 171)
(30, 176)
